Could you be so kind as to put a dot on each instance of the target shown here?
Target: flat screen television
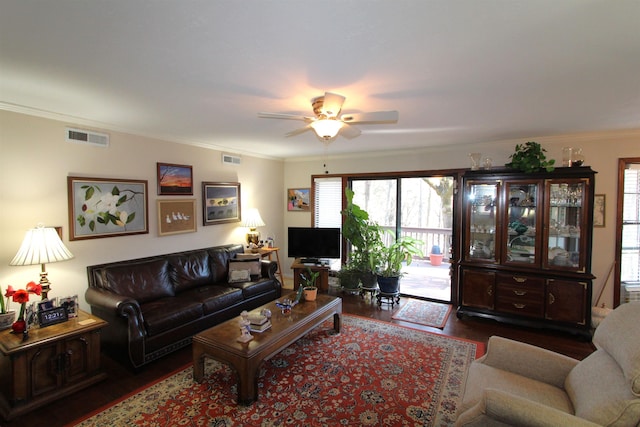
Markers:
(312, 244)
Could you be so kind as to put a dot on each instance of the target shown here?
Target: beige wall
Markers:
(601, 151)
(35, 160)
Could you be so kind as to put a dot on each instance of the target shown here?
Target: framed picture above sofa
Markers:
(220, 202)
(175, 180)
(176, 216)
(106, 207)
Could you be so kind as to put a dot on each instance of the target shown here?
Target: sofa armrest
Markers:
(269, 269)
(501, 408)
(528, 360)
(119, 306)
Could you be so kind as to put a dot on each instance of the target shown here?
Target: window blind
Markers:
(327, 202)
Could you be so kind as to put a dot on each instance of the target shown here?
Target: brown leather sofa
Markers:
(155, 305)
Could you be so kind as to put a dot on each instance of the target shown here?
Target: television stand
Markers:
(299, 267)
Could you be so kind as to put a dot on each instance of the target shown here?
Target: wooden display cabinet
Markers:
(526, 248)
(51, 363)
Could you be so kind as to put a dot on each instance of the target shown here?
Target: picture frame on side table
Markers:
(175, 180)
(106, 207)
(220, 202)
(599, 205)
(176, 216)
(299, 199)
(70, 304)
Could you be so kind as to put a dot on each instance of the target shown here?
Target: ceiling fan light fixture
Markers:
(327, 128)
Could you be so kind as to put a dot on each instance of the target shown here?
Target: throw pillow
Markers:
(253, 264)
(239, 276)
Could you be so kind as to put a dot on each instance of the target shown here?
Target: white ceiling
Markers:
(458, 71)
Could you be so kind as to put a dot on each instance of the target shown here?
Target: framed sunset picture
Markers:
(175, 180)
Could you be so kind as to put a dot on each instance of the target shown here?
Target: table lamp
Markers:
(41, 245)
(253, 220)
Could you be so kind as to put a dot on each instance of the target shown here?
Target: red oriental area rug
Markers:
(372, 373)
(424, 313)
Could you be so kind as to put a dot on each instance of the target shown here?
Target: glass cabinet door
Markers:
(482, 221)
(565, 245)
(521, 223)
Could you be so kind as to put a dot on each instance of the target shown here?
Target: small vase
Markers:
(6, 319)
(19, 326)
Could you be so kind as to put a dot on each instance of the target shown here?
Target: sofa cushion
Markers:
(253, 260)
(218, 263)
(144, 281)
(600, 393)
(190, 270)
(214, 298)
(250, 289)
(619, 335)
(481, 377)
(164, 314)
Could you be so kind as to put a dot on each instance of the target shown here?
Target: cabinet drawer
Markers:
(524, 298)
(521, 281)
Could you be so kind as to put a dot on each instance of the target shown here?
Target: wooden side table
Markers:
(53, 362)
(266, 253)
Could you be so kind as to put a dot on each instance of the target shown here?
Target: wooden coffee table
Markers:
(220, 342)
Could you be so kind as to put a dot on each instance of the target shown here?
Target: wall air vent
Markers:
(228, 159)
(80, 136)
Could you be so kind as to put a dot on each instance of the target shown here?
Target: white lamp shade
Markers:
(252, 219)
(41, 245)
(327, 128)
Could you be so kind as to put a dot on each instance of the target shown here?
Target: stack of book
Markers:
(259, 323)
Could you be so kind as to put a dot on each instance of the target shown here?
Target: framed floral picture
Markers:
(103, 207)
(176, 216)
(175, 180)
(298, 199)
(598, 210)
(220, 202)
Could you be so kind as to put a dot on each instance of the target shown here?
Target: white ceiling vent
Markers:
(228, 159)
(80, 136)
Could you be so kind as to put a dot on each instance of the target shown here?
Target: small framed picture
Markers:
(70, 304)
(175, 180)
(48, 304)
(220, 202)
(176, 216)
(598, 210)
(31, 315)
(298, 199)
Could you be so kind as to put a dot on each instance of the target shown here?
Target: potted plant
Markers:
(530, 157)
(7, 316)
(391, 258)
(365, 238)
(308, 284)
(435, 257)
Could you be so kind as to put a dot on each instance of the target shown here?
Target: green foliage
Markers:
(530, 157)
(392, 257)
(309, 281)
(363, 234)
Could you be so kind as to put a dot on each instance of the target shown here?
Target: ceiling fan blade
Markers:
(332, 104)
(285, 116)
(349, 132)
(297, 131)
(372, 117)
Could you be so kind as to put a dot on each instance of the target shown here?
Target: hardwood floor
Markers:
(121, 381)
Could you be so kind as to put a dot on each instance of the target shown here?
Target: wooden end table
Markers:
(53, 362)
(220, 342)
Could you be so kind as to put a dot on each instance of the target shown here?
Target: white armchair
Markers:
(523, 385)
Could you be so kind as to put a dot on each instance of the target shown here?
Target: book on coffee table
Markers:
(260, 328)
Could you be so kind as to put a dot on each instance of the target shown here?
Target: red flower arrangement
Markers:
(21, 296)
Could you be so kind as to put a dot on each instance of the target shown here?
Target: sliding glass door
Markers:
(421, 207)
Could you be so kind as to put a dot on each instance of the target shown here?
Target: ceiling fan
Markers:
(328, 122)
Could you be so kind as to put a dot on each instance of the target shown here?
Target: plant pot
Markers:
(7, 319)
(349, 280)
(310, 293)
(368, 280)
(389, 285)
(436, 259)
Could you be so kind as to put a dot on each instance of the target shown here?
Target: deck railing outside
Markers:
(430, 237)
